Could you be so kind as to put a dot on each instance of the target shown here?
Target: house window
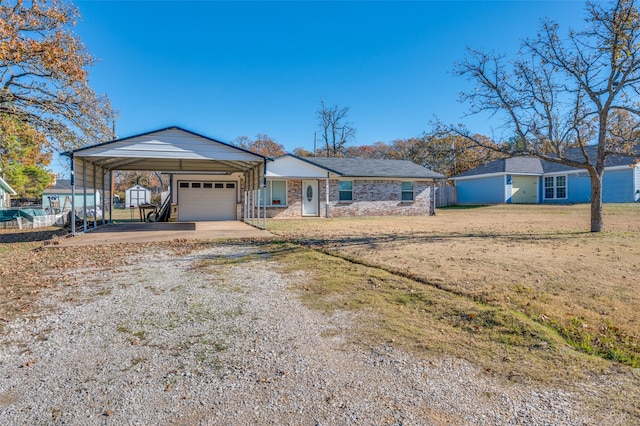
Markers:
(555, 187)
(275, 193)
(407, 191)
(345, 188)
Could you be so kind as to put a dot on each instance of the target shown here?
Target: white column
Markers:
(326, 196)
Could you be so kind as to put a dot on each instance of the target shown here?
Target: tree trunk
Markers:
(596, 201)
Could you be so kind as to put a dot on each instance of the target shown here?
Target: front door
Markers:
(524, 190)
(310, 205)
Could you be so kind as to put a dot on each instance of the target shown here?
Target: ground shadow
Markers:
(31, 235)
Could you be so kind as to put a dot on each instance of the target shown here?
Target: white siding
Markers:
(292, 167)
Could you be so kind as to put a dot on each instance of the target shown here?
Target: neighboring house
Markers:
(530, 180)
(336, 187)
(137, 195)
(5, 194)
(58, 198)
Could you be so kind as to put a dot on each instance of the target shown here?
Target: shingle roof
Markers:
(365, 167)
(533, 165)
(62, 186)
(525, 165)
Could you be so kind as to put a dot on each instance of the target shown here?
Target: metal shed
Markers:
(172, 150)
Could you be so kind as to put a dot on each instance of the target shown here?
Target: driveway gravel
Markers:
(189, 339)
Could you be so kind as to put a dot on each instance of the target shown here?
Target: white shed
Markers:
(137, 195)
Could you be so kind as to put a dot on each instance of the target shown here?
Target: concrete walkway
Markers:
(164, 231)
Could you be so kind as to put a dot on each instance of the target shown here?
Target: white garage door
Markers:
(198, 200)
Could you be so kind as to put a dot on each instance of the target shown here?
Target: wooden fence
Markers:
(445, 196)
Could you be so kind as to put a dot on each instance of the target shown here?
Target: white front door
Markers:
(310, 205)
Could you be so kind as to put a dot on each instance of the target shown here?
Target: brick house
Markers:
(213, 180)
(339, 187)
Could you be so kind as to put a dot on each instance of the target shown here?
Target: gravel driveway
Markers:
(174, 340)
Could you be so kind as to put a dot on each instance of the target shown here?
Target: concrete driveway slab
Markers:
(164, 231)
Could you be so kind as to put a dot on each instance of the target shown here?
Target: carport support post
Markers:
(95, 202)
(111, 190)
(104, 191)
(73, 199)
(253, 210)
(264, 188)
(84, 194)
(256, 200)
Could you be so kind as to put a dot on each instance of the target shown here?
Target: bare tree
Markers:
(335, 130)
(579, 92)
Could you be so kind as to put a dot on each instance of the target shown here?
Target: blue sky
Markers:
(226, 69)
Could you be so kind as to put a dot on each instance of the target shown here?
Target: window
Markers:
(219, 185)
(275, 193)
(407, 191)
(345, 188)
(184, 184)
(207, 185)
(555, 187)
(195, 185)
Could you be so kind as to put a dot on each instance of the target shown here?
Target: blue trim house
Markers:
(529, 180)
(58, 198)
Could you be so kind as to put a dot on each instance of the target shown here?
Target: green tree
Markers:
(565, 91)
(23, 157)
(29, 181)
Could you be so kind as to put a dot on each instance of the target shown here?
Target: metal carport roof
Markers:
(171, 149)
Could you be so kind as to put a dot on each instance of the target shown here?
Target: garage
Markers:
(210, 180)
(207, 200)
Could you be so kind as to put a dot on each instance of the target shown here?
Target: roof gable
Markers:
(6, 187)
(169, 149)
(289, 165)
(172, 142)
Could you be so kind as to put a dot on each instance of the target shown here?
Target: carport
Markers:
(172, 150)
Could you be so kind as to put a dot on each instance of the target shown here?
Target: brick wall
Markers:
(380, 198)
(370, 198)
(294, 202)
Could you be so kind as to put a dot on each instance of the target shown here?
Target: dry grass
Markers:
(523, 290)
